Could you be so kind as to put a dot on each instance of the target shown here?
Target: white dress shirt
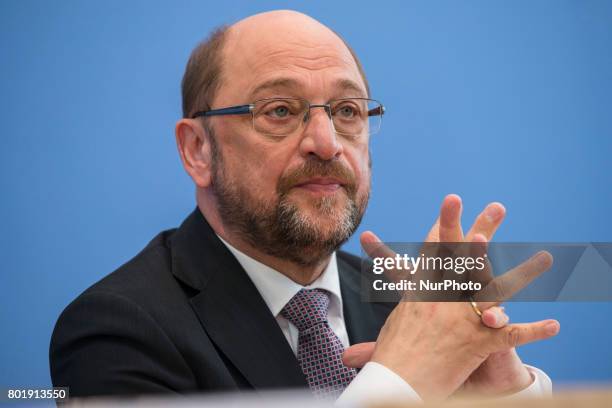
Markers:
(374, 380)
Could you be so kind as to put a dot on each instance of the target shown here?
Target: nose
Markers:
(319, 137)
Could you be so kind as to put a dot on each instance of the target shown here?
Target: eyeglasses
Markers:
(281, 117)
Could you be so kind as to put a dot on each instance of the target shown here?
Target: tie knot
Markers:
(307, 308)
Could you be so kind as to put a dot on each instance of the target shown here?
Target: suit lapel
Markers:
(231, 309)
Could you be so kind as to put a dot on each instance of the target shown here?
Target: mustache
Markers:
(315, 167)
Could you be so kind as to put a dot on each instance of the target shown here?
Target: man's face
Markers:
(301, 196)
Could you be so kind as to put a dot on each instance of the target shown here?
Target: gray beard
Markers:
(280, 229)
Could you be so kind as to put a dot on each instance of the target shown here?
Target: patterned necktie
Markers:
(319, 349)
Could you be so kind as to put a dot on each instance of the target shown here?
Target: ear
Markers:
(194, 148)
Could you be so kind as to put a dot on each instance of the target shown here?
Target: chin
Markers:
(323, 205)
(326, 223)
(326, 215)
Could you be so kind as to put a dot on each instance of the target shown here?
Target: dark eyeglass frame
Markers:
(249, 108)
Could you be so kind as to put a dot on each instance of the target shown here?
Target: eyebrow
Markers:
(343, 84)
(275, 83)
(349, 85)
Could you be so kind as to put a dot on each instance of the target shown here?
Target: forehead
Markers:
(305, 58)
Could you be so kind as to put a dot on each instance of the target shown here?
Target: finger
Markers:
(488, 221)
(507, 285)
(495, 317)
(516, 335)
(374, 247)
(478, 247)
(475, 249)
(450, 219)
(358, 355)
(434, 235)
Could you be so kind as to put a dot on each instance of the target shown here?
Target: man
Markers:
(250, 291)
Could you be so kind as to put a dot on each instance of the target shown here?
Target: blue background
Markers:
(507, 101)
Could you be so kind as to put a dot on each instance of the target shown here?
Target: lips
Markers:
(321, 181)
(322, 184)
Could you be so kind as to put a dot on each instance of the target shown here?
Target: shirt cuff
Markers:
(540, 387)
(373, 381)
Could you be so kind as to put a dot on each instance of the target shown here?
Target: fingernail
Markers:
(493, 212)
(506, 319)
(552, 328)
(543, 258)
(501, 318)
(372, 238)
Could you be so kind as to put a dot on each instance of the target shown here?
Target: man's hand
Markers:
(438, 357)
(436, 347)
(501, 373)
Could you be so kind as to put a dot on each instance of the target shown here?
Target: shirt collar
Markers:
(277, 289)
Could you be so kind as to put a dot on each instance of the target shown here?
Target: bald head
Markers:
(267, 41)
(273, 29)
(288, 22)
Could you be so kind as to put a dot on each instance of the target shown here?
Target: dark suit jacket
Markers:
(184, 317)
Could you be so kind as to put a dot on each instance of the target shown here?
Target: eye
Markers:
(281, 111)
(347, 111)
(278, 111)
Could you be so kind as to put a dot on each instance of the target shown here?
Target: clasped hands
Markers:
(444, 348)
